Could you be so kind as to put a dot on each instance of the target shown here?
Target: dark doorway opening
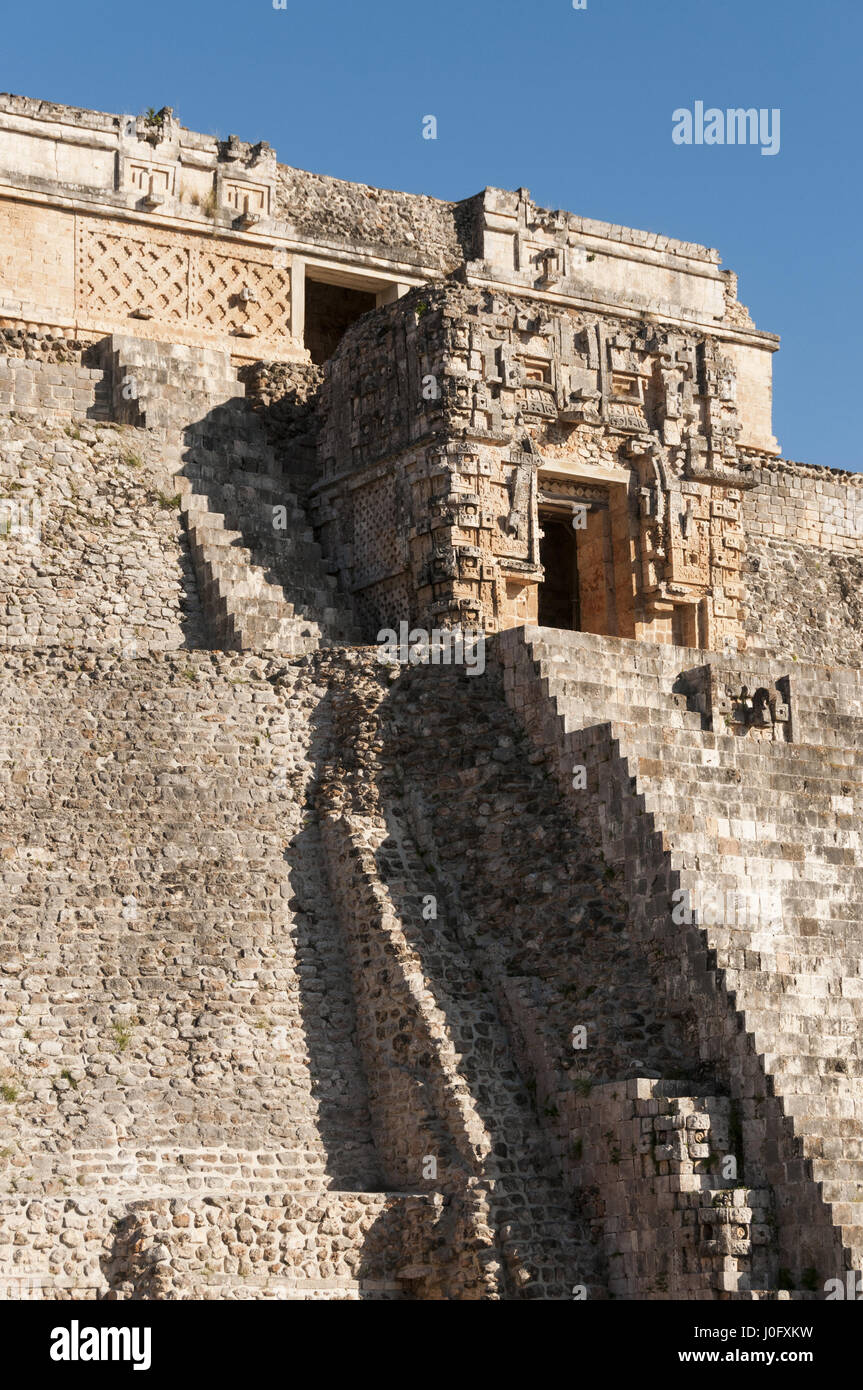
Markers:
(558, 593)
(330, 311)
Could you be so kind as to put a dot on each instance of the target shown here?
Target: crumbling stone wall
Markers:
(332, 1246)
(545, 912)
(450, 1106)
(45, 347)
(285, 398)
(319, 1245)
(407, 227)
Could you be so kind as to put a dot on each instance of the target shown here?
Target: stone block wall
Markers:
(179, 1016)
(667, 1203)
(176, 1013)
(804, 563)
(46, 389)
(334, 1246)
(92, 555)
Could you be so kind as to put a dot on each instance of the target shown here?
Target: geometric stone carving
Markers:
(121, 273)
(175, 279)
(145, 177)
(253, 198)
(220, 304)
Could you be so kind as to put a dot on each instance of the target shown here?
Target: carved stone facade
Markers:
(206, 288)
(459, 424)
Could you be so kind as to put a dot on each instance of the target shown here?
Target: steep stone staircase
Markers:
(755, 845)
(262, 577)
(653, 1161)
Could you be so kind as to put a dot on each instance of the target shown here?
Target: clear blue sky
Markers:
(574, 105)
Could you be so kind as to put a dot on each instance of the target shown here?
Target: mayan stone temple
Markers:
(431, 753)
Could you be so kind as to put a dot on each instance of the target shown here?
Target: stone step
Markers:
(253, 480)
(577, 714)
(273, 594)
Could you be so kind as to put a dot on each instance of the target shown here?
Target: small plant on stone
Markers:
(9, 1092)
(122, 1035)
(154, 123)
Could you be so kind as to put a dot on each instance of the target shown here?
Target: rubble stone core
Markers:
(326, 977)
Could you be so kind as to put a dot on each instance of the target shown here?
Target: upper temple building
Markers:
(495, 414)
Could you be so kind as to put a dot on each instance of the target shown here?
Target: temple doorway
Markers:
(559, 599)
(330, 311)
